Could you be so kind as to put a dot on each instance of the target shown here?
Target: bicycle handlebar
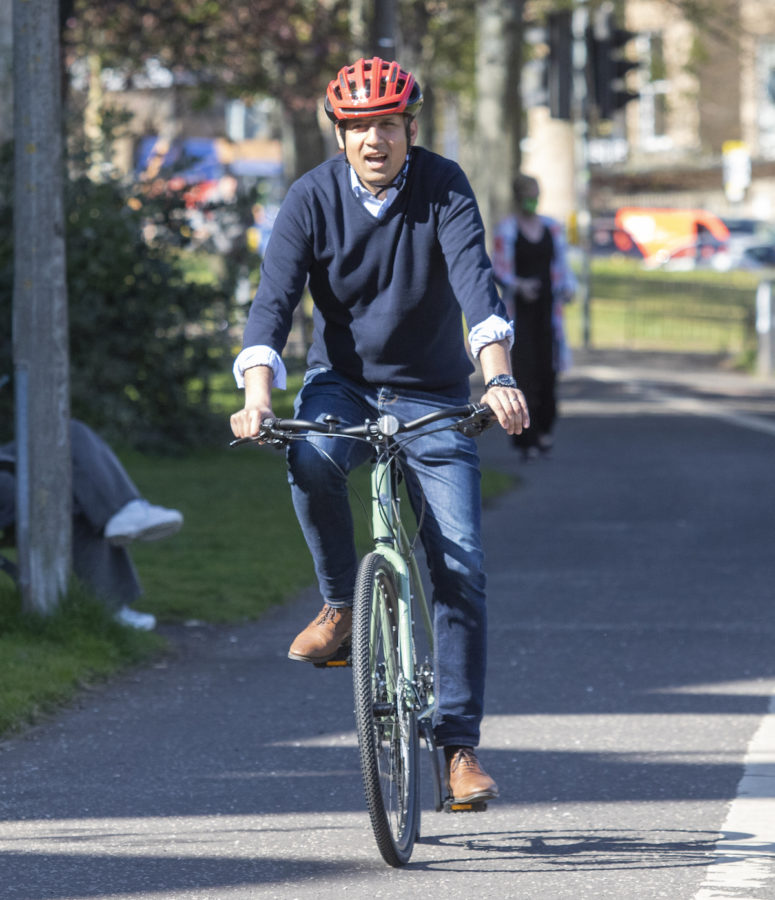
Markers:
(474, 418)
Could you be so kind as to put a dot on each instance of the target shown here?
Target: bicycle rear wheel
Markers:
(387, 731)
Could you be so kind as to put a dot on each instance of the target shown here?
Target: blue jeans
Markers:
(444, 468)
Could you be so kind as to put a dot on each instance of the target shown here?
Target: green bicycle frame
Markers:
(392, 542)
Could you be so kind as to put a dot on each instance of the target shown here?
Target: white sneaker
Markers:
(134, 619)
(140, 520)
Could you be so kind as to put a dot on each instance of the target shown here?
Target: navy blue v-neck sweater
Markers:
(388, 292)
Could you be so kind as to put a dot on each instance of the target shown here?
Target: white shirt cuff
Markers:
(260, 355)
(493, 329)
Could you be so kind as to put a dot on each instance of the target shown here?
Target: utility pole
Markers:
(40, 329)
(385, 29)
(580, 113)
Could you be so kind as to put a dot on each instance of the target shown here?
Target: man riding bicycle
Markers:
(389, 239)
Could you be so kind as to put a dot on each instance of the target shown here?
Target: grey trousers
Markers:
(101, 487)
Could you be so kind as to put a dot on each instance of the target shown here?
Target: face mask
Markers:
(529, 205)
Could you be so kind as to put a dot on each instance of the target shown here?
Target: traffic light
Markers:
(609, 65)
(560, 71)
(547, 76)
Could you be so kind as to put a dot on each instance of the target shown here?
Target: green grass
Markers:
(700, 311)
(44, 662)
(240, 549)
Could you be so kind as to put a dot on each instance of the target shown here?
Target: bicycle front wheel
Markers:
(387, 727)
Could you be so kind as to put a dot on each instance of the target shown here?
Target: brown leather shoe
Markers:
(466, 778)
(324, 635)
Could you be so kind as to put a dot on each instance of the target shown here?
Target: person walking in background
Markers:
(108, 514)
(531, 266)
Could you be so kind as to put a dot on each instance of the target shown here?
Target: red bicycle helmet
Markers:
(372, 87)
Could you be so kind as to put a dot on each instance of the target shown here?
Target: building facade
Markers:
(701, 132)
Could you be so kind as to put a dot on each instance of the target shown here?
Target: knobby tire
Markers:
(388, 742)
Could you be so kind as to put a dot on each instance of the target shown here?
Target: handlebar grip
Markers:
(481, 418)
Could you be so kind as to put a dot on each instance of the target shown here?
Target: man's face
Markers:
(376, 148)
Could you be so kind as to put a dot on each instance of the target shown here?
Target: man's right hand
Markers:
(246, 422)
(258, 402)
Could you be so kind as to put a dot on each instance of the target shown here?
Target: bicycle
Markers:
(394, 695)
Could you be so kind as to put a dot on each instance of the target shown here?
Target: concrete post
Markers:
(765, 328)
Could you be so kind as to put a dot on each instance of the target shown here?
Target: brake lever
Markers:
(265, 436)
(476, 423)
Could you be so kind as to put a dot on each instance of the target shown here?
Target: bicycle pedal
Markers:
(340, 660)
(457, 806)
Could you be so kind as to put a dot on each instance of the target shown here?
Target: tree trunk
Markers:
(358, 28)
(304, 144)
(498, 110)
(40, 334)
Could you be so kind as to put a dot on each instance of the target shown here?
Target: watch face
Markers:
(502, 381)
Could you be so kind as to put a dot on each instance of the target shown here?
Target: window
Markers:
(654, 87)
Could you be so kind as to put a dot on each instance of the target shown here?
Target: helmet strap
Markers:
(398, 183)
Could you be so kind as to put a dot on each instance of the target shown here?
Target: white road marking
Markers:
(713, 410)
(652, 399)
(743, 864)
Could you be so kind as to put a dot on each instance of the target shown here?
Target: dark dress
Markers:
(532, 356)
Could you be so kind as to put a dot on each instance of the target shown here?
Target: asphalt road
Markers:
(631, 673)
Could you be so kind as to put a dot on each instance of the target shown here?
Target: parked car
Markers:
(737, 253)
(751, 245)
(744, 254)
(607, 239)
(750, 228)
(665, 234)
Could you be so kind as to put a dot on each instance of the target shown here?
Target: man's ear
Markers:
(339, 137)
(412, 131)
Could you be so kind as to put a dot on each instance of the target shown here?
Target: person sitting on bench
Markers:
(109, 513)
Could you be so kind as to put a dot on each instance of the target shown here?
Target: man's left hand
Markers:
(509, 406)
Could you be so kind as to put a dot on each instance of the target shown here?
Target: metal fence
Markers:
(668, 314)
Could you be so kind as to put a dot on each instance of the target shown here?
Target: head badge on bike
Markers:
(372, 87)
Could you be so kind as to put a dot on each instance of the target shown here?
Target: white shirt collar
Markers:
(371, 204)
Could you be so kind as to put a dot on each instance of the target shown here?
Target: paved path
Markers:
(631, 671)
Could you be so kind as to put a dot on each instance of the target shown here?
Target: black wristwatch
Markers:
(501, 381)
